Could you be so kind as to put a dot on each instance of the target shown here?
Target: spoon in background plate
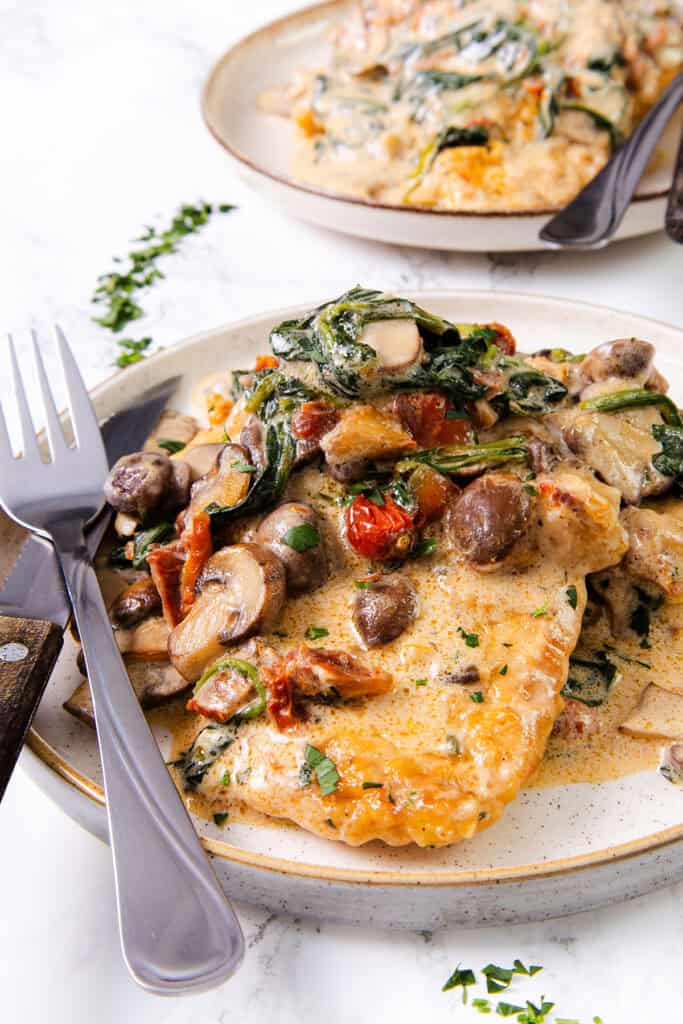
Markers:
(591, 219)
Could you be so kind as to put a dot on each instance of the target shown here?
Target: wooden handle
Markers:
(28, 650)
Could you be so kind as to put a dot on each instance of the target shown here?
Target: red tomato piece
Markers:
(314, 419)
(379, 531)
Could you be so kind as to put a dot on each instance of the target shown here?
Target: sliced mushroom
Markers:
(577, 721)
(172, 426)
(628, 358)
(201, 458)
(397, 343)
(364, 432)
(154, 683)
(658, 716)
(655, 551)
(241, 591)
(178, 493)
(488, 519)
(225, 485)
(384, 609)
(148, 641)
(253, 438)
(136, 603)
(137, 483)
(293, 532)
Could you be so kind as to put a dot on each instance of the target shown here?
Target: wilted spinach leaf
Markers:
(590, 681)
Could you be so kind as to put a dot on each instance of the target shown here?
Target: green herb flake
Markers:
(225, 779)
(530, 489)
(508, 1009)
(328, 821)
(497, 978)
(373, 785)
(243, 467)
(572, 596)
(426, 546)
(220, 819)
(462, 977)
(132, 351)
(421, 682)
(316, 632)
(301, 538)
(477, 696)
(325, 770)
(171, 446)
(471, 639)
(482, 1005)
(503, 671)
(540, 612)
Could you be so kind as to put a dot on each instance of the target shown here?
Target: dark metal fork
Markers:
(178, 932)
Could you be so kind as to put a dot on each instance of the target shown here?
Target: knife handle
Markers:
(28, 651)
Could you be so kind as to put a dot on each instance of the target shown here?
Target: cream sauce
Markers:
(370, 120)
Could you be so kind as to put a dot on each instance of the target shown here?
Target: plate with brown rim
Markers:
(261, 146)
(560, 848)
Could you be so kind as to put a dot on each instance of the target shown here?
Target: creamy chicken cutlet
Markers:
(400, 562)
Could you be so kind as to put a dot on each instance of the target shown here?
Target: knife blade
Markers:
(33, 600)
(674, 208)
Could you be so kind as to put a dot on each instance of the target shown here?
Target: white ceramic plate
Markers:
(555, 851)
(261, 145)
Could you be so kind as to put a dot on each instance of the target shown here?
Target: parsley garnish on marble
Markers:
(118, 291)
(497, 980)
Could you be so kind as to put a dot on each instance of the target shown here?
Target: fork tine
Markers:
(6, 452)
(29, 441)
(83, 420)
(52, 425)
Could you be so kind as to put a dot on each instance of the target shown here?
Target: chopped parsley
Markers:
(503, 671)
(497, 978)
(171, 446)
(508, 1009)
(477, 696)
(328, 821)
(462, 977)
(471, 639)
(373, 785)
(220, 819)
(539, 612)
(530, 489)
(572, 596)
(482, 1005)
(225, 780)
(301, 538)
(242, 467)
(316, 632)
(420, 682)
(325, 770)
(426, 546)
(118, 290)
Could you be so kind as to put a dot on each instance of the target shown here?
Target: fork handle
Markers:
(178, 932)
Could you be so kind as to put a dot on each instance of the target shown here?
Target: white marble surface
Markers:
(101, 133)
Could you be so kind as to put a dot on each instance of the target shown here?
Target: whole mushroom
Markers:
(489, 518)
(384, 609)
(138, 482)
(292, 531)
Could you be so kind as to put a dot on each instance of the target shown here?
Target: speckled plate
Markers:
(261, 147)
(556, 850)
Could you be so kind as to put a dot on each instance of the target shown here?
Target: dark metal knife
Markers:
(591, 219)
(674, 207)
(33, 599)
